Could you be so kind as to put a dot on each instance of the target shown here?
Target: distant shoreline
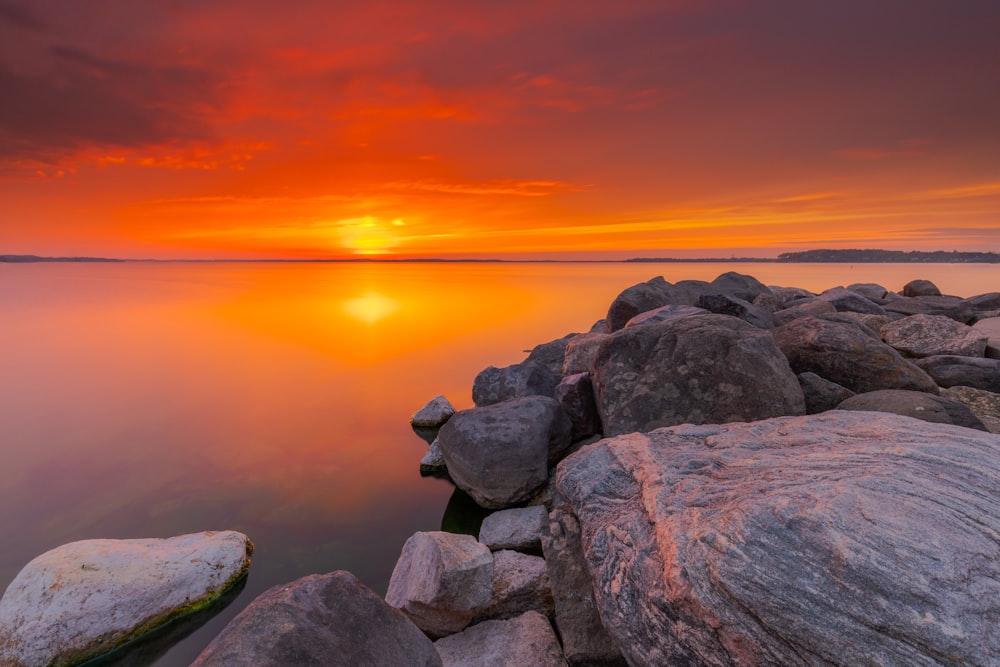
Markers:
(803, 257)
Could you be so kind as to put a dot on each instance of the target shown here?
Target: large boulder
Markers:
(845, 538)
(849, 354)
(529, 378)
(920, 288)
(699, 369)
(525, 640)
(441, 580)
(84, 599)
(928, 335)
(321, 619)
(739, 285)
(518, 528)
(844, 300)
(500, 454)
(520, 584)
(636, 299)
(951, 370)
(916, 404)
(584, 639)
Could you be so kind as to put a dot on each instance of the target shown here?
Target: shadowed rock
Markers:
(581, 352)
(845, 300)
(500, 454)
(436, 412)
(702, 368)
(951, 370)
(664, 313)
(812, 307)
(821, 394)
(739, 285)
(871, 291)
(638, 299)
(916, 404)
(322, 619)
(920, 288)
(552, 354)
(723, 304)
(520, 584)
(529, 378)
(990, 328)
(525, 640)
(576, 396)
(83, 599)
(928, 335)
(441, 580)
(519, 528)
(946, 306)
(848, 354)
(836, 539)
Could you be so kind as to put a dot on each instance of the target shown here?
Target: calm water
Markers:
(150, 400)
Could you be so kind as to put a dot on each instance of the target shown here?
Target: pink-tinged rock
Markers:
(836, 539)
(581, 352)
(441, 580)
(520, 584)
(928, 335)
(86, 598)
(990, 327)
(526, 640)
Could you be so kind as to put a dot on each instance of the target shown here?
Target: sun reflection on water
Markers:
(371, 307)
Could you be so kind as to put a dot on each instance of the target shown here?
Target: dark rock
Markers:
(581, 352)
(322, 619)
(664, 313)
(551, 354)
(585, 641)
(950, 370)
(947, 306)
(844, 300)
(768, 301)
(871, 291)
(440, 581)
(990, 327)
(982, 302)
(916, 404)
(848, 354)
(723, 304)
(739, 285)
(436, 412)
(920, 288)
(873, 323)
(433, 461)
(698, 369)
(500, 454)
(525, 640)
(787, 294)
(810, 308)
(638, 299)
(929, 335)
(576, 396)
(519, 528)
(837, 539)
(600, 326)
(520, 584)
(821, 394)
(529, 378)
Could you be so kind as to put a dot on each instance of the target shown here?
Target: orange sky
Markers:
(472, 128)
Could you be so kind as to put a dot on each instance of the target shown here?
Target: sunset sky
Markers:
(472, 128)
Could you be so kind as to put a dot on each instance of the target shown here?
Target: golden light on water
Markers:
(371, 307)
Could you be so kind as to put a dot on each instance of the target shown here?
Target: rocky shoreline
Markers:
(717, 473)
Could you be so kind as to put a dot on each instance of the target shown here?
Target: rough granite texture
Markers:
(835, 539)
(928, 335)
(524, 641)
(83, 599)
(518, 528)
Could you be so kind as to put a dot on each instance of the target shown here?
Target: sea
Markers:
(152, 399)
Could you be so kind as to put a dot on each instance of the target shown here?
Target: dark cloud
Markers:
(22, 18)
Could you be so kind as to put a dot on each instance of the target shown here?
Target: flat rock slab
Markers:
(321, 619)
(519, 528)
(842, 539)
(928, 335)
(525, 640)
(84, 599)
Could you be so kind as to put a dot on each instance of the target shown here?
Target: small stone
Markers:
(437, 411)
(433, 461)
(519, 528)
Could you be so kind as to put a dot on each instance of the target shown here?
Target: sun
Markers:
(369, 235)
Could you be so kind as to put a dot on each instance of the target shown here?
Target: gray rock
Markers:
(769, 301)
(529, 378)
(813, 307)
(982, 403)
(739, 285)
(83, 599)
(436, 412)
(552, 354)
(581, 352)
(916, 404)
(520, 584)
(947, 306)
(920, 288)
(847, 353)
(990, 327)
(991, 423)
(321, 619)
(871, 291)
(950, 370)
(664, 313)
(519, 528)
(723, 304)
(703, 368)
(441, 580)
(786, 294)
(844, 300)
(649, 295)
(821, 394)
(584, 639)
(576, 396)
(984, 302)
(837, 539)
(929, 335)
(525, 640)
(433, 461)
(873, 323)
(500, 454)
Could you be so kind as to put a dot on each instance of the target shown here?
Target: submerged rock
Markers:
(843, 538)
(84, 599)
(321, 619)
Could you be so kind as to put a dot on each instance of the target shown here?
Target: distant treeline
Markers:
(889, 256)
(23, 259)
